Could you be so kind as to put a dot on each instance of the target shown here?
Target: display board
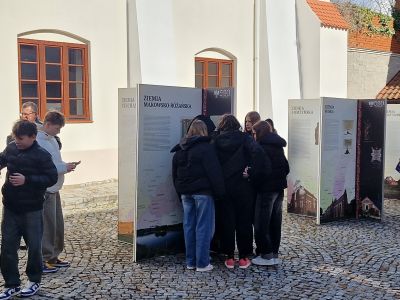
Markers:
(216, 102)
(345, 163)
(392, 151)
(370, 159)
(338, 159)
(162, 114)
(303, 153)
(150, 213)
(127, 142)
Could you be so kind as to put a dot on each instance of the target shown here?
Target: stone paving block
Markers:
(342, 260)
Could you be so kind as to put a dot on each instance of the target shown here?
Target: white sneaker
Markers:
(205, 269)
(259, 261)
(190, 267)
(10, 292)
(30, 289)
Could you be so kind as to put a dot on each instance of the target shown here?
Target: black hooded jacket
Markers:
(236, 150)
(207, 120)
(273, 146)
(36, 165)
(195, 168)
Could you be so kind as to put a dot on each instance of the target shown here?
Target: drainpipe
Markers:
(256, 64)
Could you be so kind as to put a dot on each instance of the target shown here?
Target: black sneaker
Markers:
(48, 268)
(61, 263)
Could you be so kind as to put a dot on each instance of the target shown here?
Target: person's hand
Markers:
(17, 179)
(245, 172)
(71, 167)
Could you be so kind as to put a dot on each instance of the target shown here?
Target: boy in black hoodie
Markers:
(30, 170)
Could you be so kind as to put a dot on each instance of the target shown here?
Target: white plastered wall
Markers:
(308, 30)
(283, 61)
(322, 56)
(103, 24)
(369, 71)
(172, 32)
(333, 62)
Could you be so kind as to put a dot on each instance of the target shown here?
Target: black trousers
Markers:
(237, 218)
(268, 223)
(216, 243)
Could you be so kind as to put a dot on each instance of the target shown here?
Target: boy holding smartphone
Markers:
(53, 220)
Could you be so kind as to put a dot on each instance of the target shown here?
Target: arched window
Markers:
(211, 72)
(54, 75)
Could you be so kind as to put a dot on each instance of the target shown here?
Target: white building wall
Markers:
(333, 63)
(283, 61)
(369, 72)
(308, 39)
(103, 24)
(155, 42)
(172, 32)
(262, 69)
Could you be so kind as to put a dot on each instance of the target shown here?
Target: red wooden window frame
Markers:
(219, 76)
(65, 81)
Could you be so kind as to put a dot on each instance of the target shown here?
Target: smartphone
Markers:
(76, 162)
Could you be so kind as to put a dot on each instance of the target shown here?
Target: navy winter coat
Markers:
(273, 145)
(36, 165)
(236, 150)
(196, 169)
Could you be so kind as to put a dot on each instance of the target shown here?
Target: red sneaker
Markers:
(244, 263)
(230, 263)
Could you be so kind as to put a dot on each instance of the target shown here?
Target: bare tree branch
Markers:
(381, 6)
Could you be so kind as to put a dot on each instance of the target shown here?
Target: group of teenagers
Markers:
(31, 200)
(231, 181)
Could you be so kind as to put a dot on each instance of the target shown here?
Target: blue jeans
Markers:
(198, 227)
(13, 227)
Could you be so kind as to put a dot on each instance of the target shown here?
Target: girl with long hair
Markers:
(197, 179)
(251, 118)
(270, 187)
(236, 150)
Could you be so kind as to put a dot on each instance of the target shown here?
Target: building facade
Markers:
(73, 56)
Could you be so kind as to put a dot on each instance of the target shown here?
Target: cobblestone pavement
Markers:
(340, 260)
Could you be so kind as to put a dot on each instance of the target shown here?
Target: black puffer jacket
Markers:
(236, 150)
(36, 165)
(195, 168)
(273, 146)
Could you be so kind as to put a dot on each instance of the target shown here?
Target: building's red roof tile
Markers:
(392, 89)
(328, 14)
(365, 40)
